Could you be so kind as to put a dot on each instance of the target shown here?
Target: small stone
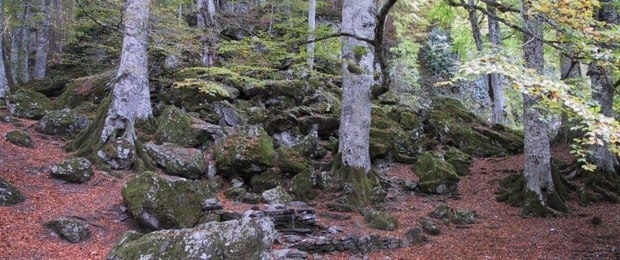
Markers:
(212, 204)
(72, 230)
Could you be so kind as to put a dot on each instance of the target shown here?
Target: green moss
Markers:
(360, 187)
(247, 151)
(174, 126)
(359, 52)
(380, 220)
(302, 186)
(290, 161)
(9, 194)
(20, 138)
(435, 174)
(460, 160)
(29, 104)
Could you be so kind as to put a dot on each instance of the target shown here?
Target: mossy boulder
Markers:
(459, 160)
(452, 124)
(185, 162)
(28, 104)
(392, 143)
(9, 195)
(91, 88)
(266, 180)
(118, 153)
(65, 123)
(162, 202)
(247, 151)
(247, 238)
(302, 186)
(78, 170)
(175, 126)
(291, 162)
(70, 229)
(277, 195)
(435, 174)
(380, 220)
(20, 138)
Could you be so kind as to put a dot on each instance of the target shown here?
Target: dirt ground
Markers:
(499, 233)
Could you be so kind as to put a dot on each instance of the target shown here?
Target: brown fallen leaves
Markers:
(500, 233)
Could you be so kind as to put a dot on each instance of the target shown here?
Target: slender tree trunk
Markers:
(14, 55)
(495, 79)
(25, 44)
(358, 77)
(210, 39)
(540, 194)
(42, 50)
(4, 83)
(311, 32)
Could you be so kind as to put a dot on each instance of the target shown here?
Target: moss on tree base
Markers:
(600, 186)
(512, 191)
(360, 188)
(88, 142)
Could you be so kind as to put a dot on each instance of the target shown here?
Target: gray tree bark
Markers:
(495, 79)
(539, 183)
(24, 43)
(130, 97)
(4, 83)
(14, 55)
(206, 21)
(358, 18)
(603, 91)
(43, 43)
(311, 32)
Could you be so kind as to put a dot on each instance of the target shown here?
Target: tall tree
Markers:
(43, 42)
(541, 198)
(130, 101)
(4, 83)
(24, 53)
(495, 79)
(311, 32)
(206, 21)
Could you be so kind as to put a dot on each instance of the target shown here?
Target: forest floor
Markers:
(499, 233)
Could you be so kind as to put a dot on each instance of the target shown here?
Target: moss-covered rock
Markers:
(77, 170)
(65, 123)
(452, 124)
(460, 160)
(302, 186)
(266, 180)
(248, 238)
(9, 195)
(70, 229)
(161, 202)
(28, 104)
(277, 195)
(435, 174)
(175, 126)
(247, 151)
(90, 88)
(20, 138)
(118, 153)
(185, 162)
(291, 162)
(380, 220)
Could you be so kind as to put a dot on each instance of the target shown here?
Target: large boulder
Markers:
(77, 170)
(247, 238)
(452, 124)
(70, 229)
(178, 127)
(91, 88)
(185, 162)
(435, 174)
(66, 123)
(247, 151)
(119, 153)
(9, 195)
(28, 104)
(161, 202)
(460, 160)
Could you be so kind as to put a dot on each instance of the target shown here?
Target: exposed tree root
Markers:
(512, 191)
(600, 186)
(360, 189)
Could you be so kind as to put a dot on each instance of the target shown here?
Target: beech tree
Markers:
(113, 136)
(43, 42)
(311, 31)
(206, 21)
(4, 83)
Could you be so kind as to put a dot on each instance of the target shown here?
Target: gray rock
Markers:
(464, 217)
(119, 153)
(77, 170)
(65, 123)
(289, 254)
(70, 229)
(28, 104)
(175, 160)
(429, 227)
(248, 151)
(277, 195)
(159, 201)
(248, 238)
(20, 138)
(9, 195)
(171, 62)
(212, 204)
(436, 175)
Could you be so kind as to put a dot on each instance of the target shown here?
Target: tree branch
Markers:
(379, 49)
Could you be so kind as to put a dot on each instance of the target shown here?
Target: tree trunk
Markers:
(42, 50)
(14, 55)
(358, 77)
(495, 79)
(4, 83)
(541, 198)
(25, 48)
(206, 21)
(311, 32)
